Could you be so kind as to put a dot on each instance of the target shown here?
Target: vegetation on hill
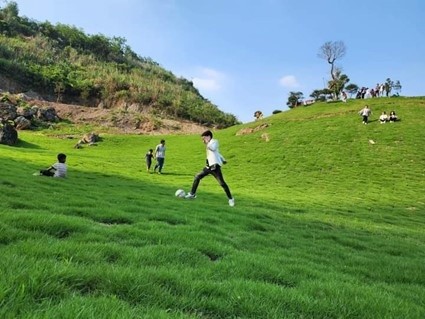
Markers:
(63, 63)
(326, 225)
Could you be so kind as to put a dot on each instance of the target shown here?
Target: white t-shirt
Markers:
(60, 169)
(160, 151)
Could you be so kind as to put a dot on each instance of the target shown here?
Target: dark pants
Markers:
(47, 172)
(159, 164)
(148, 163)
(365, 118)
(214, 170)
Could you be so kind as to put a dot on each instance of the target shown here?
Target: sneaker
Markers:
(190, 196)
(232, 202)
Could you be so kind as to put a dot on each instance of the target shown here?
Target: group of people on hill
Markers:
(383, 118)
(378, 91)
(214, 162)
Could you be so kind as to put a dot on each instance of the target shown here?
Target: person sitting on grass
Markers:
(383, 118)
(393, 117)
(58, 169)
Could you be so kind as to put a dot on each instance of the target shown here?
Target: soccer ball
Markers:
(180, 193)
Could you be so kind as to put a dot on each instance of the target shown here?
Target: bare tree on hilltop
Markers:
(332, 51)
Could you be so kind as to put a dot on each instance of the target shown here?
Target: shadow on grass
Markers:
(24, 144)
(175, 174)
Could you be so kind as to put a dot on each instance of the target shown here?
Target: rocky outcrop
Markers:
(249, 130)
(27, 116)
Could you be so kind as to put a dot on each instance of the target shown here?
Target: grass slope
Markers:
(326, 224)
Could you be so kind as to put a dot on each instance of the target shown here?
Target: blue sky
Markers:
(247, 55)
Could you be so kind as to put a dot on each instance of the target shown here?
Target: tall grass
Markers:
(326, 224)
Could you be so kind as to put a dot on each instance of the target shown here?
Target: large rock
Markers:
(47, 114)
(21, 123)
(8, 134)
(27, 112)
(7, 111)
(89, 138)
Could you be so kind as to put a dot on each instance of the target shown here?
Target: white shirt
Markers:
(160, 151)
(365, 112)
(60, 169)
(213, 155)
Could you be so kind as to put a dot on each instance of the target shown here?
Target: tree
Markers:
(352, 88)
(9, 16)
(294, 99)
(337, 84)
(317, 95)
(397, 87)
(321, 95)
(388, 86)
(332, 51)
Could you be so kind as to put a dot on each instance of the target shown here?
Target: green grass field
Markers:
(326, 224)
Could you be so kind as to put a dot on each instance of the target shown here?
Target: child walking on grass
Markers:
(149, 156)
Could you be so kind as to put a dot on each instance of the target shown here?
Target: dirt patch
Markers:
(120, 121)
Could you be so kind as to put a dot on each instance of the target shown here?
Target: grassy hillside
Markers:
(326, 224)
(64, 64)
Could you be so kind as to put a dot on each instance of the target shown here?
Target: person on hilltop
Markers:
(213, 166)
(160, 156)
(344, 97)
(59, 169)
(365, 113)
(149, 155)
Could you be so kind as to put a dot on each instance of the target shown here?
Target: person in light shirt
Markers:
(383, 118)
(160, 156)
(214, 162)
(365, 113)
(58, 169)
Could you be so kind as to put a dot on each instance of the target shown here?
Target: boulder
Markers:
(89, 138)
(21, 123)
(27, 112)
(7, 111)
(47, 114)
(8, 134)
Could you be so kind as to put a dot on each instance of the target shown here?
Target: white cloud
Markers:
(289, 82)
(209, 80)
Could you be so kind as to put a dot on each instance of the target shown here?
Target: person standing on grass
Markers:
(365, 113)
(160, 156)
(214, 162)
(58, 169)
(344, 97)
(149, 156)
